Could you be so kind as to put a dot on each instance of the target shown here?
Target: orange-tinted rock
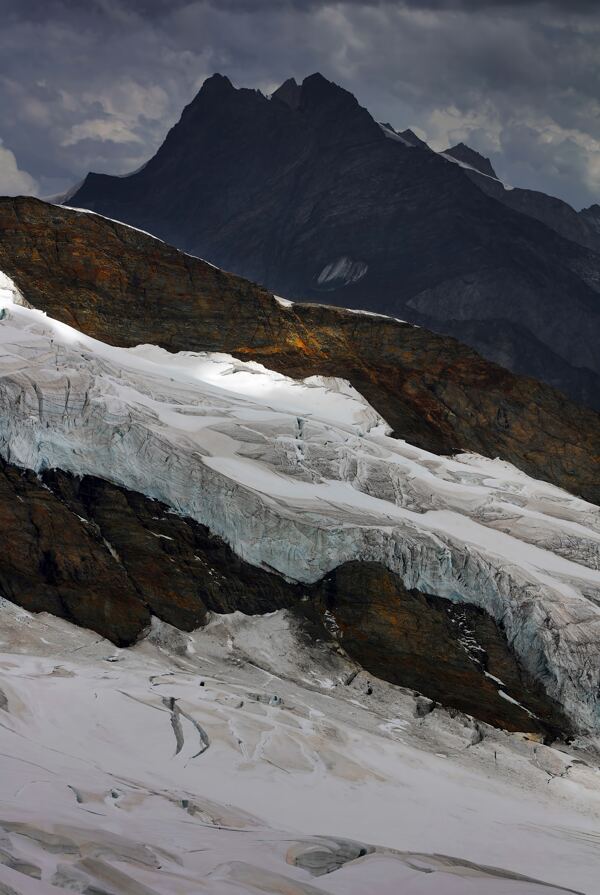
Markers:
(124, 287)
(453, 653)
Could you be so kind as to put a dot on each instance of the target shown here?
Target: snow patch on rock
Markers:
(342, 272)
(392, 134)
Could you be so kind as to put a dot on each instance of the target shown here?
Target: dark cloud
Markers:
(96, 85)
(118, 9)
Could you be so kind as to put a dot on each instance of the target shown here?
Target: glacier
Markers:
(302, 476)
(239, 759)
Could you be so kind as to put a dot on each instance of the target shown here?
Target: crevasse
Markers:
(302, 476)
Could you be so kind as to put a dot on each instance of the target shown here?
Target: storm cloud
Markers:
(96, 85)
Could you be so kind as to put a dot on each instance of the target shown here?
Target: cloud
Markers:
(114, 131)
(14, 182)
(519, 79)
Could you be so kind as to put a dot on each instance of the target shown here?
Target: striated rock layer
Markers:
(119, 285)
(409, 638)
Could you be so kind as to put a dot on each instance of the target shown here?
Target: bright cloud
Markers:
(13, 181)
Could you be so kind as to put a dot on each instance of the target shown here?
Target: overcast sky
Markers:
(95, 84)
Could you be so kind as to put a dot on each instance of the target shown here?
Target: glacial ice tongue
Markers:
(303, 476)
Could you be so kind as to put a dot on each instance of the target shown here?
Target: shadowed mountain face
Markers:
(126, 288)
(305, 193)
(582, 227)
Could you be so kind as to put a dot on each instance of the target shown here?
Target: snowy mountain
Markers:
(306, 193)
(296, 599)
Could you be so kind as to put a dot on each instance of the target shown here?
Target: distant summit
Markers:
(289, 93)
(412, 138)
(463, 153)
(306, 193)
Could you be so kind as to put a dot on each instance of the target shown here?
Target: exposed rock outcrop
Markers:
(55, 561)
(122, 286)
(108, 559)
(401, 635)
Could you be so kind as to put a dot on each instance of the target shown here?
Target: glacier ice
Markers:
(322, 790)
(303, 476)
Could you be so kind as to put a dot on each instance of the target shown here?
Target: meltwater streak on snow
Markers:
(104, 786)
(301, 477)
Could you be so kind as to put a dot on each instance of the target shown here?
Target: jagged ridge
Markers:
(284, 190)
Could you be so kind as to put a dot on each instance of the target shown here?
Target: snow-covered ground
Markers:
(302, 476)
(237, 760)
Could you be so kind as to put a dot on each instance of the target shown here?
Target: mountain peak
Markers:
(288, 194)
(410, 137)
(336, 112)
(463, 153)
(318, 89)
(214, 88)
(318, 78)
(289, 93)
(217, 83)
(593, 209)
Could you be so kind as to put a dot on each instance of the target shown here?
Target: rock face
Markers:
(578, 226)
(108, 559)
(412, 138)
(126, 288)
(294, 189)
(463, 153)
(58, 563)
(401, 635)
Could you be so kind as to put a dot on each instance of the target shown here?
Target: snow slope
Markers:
(237, 760)
(302, 476)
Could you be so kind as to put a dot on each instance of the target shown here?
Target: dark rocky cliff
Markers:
(305, 193)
